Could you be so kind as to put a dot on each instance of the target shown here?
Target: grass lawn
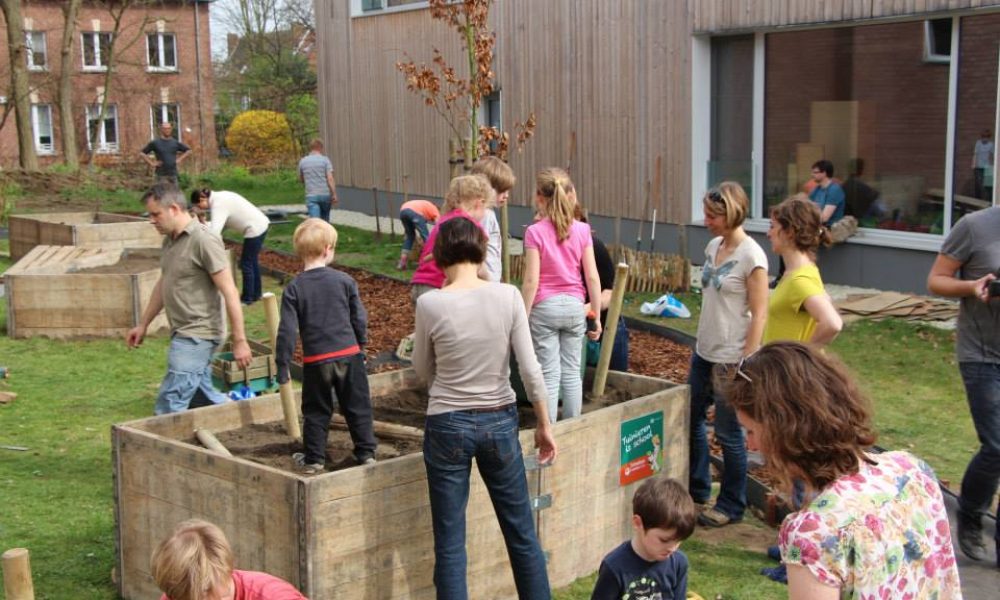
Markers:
(58, 496)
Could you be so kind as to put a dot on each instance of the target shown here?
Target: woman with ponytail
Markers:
(556, 249)
(800, 309)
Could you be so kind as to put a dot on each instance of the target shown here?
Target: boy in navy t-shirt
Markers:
(650, 566)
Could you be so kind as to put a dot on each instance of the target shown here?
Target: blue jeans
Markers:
(558, 325)
(732, 499)
(413, 223)
(250, 266)
(451, 441)
(188, 382)
(319, 206)
(982, 390)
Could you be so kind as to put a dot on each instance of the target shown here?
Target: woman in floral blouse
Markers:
(876, 527)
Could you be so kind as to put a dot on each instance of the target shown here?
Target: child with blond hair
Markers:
(468, 196)
(196, 563)
(323, 307)
(502, 180)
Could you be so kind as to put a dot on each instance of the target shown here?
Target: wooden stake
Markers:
(504, 244)
(271, 314)
(17, 583)
(288, 407)
(608, 338)
(392, 213)
(384, 429)
(208, 440)
(378, 223)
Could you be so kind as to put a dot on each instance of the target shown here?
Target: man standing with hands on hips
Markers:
(195, 270)
(964, 269)
(168, 152)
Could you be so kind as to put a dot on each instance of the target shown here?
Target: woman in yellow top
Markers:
(800, 310)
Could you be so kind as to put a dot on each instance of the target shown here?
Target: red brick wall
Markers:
(132, 88)
(977, 89)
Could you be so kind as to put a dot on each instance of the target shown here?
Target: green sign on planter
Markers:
(641, 448)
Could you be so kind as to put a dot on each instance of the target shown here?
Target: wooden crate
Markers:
(50, 293)
(366, 532)
(92, 229)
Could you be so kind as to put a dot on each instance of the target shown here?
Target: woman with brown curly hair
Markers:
(800, 309)
(876, 526)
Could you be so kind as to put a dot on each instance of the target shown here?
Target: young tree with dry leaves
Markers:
(458, 99)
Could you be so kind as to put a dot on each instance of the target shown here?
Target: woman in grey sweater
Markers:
(464, 334)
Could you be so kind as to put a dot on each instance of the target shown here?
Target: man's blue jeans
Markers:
(451, 441)
(319, 206)
(188, 382)
(979, 485)
(413, 223)
(732, 499)
(250, 267)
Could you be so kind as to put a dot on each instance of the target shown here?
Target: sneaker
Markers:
(774, 553)
(305, 468)
(401, 265)
(368, 461)
(713, 517)
(970, 539)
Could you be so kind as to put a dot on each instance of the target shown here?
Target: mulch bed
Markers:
(390, 318)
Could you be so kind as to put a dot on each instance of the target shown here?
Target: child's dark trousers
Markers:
(343, 382)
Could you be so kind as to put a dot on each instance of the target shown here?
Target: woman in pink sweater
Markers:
(556, 249)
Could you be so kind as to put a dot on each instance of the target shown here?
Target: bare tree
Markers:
(19, 88)
(71, 154)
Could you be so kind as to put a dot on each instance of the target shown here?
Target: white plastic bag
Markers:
(666, 306)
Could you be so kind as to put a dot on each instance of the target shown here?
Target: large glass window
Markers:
(975, 139)
(161, 51)
(96, 50)
(37, 52)
(731, 148)
(41, 126)
(865, 99)
(102, 136)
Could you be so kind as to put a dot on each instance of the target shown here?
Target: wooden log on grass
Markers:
(208, 440)
(608, 340)
(17, 583)
(291, 413)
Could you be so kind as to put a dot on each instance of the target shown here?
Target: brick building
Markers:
(162, 72)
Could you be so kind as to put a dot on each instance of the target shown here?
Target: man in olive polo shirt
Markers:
(195, 270)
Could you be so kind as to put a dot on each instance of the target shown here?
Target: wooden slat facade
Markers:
(617, 75)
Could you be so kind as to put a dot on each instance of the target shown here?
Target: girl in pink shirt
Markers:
(556, 249)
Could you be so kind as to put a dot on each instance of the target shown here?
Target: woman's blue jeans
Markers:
(979, 484)
(451, 441)
(732, 499)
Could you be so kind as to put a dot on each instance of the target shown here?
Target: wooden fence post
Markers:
(17, 583)
(608, 339)
(287, 393)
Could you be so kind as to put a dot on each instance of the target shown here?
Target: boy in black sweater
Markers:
(322, 306)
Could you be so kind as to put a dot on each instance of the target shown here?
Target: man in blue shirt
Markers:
(828, 194)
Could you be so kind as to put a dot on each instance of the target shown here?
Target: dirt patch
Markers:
(268, 444)
(751, 536)
(129, 265)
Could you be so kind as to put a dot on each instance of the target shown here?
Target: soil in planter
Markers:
(126, 266)
(268, 444)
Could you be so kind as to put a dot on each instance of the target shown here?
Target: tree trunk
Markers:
(19, 83)
(71, 155)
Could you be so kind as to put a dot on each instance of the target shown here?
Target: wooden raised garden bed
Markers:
(92, 229)
(365, 532)
(71, 291)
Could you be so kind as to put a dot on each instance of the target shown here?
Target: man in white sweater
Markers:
(234, 212)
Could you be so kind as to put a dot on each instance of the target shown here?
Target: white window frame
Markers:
(94, 38)
(358, 10)
(701, 64)
(929, 45)
(93, 111)
(36, 130)
(155, 119)
(33, 47)
(161, 37)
